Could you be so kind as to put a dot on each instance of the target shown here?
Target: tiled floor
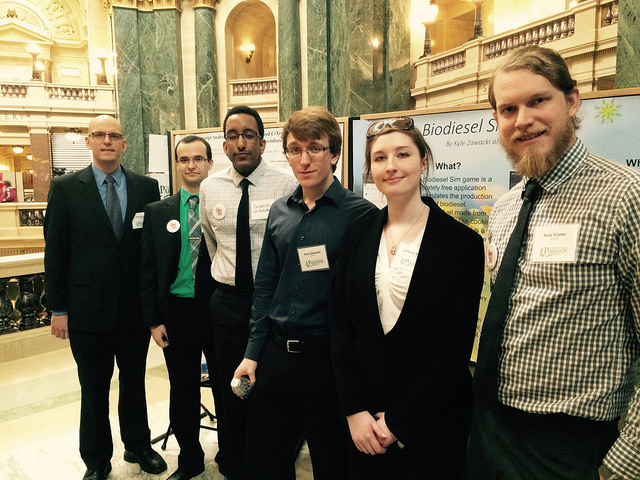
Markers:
(39, 417)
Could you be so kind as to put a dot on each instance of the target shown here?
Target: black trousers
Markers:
(230, 314)
(94, 353)
(295, 395)
(509, 444)
(189, 335)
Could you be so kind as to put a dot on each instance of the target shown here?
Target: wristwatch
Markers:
(607, 474)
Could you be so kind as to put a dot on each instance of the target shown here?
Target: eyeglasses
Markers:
(248, 135)
(197, 160)
(398, 123)
(100, 136)
(314, 151)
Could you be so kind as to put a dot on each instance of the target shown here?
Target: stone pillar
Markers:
(317, 48)
(289, 76)
(149, 79)
(127, 40)
(41, 153)
(208, 107)
(339, 80)
(628, 58)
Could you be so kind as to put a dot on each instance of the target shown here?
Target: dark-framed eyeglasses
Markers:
(197, 160)
(100, 136)
(248, 135)
(398, 123)
(314, 151)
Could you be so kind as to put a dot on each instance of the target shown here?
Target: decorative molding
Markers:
(148, 5)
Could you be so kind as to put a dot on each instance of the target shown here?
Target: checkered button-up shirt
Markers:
(572, 333)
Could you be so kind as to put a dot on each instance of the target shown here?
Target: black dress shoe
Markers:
(184, 474)
(149, 460)
(98, 473)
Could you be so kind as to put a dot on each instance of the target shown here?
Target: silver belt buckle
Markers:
(293, 344)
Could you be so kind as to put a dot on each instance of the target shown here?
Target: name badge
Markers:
(406, 257)
(260, 209)
(555, 243)
(313, 258)
(138, 220)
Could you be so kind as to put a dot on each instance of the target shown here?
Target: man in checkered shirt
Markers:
(571, 342)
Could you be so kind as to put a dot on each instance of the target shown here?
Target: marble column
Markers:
(317, 48)
(289, 74)
(339, 60)
(149, 80)
(628, 58)
(208, 107)
(127, 40)
(41, 153)
(398, 62)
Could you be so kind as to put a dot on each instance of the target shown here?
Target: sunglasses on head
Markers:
(398, 123)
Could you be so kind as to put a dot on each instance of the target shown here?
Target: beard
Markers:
(534, 164)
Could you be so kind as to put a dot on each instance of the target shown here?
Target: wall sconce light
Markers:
(252, 49)
(101, 77)
(34, 50)
(430, 17)
(18, 149)
(477, 22)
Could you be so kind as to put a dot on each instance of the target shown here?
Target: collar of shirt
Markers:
(566, 167)
(333, 196)
(185, 196)
(99, 175)
(254, 177)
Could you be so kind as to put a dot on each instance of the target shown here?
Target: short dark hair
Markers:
(247, 111)
(194, 138)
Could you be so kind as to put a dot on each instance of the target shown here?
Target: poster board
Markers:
(471, 171)
(273, 152)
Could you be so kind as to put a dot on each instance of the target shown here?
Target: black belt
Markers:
(301, 345)
(232, 290)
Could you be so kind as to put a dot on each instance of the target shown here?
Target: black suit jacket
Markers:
(88, 272)
(418, 373)
(160, 257)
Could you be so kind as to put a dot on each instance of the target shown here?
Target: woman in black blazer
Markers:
(404, 310)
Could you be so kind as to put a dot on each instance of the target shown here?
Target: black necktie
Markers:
(486, 374)
(244, 275)
(113, 207)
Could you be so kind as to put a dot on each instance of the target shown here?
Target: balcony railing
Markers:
(254, 86)
(586, 34)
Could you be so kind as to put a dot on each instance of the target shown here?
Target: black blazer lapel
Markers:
(88, 192)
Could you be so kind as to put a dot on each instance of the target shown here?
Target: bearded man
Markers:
(561, 336)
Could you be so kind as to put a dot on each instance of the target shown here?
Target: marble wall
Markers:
(149, 78)
(358, 55)
(289, 73)
(628, 54)
(207, 91)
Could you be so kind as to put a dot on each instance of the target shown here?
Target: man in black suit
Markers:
(176, 287)
(92, 275)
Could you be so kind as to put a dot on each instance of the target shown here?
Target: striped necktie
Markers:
(195, 233)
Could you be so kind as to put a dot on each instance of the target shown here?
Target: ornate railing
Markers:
(13, 90)
(448, 63)
(538, 35)
(254, 86)
(59, 92)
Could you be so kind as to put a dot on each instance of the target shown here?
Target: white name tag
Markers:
(313, 258)
(138, 220)
(260, 209)
(555, 243)
(406, 257)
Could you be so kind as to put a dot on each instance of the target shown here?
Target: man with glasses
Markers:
(176, 287)
(287, 357)
(220, 196)
(92, 231)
